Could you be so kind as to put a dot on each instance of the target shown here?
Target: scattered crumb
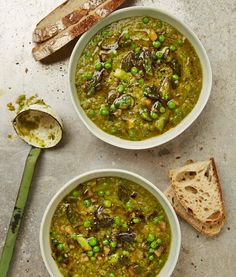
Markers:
(26, 70)
(9, 136)
(136, 154)
(228, 228)
(10, 107)
(178, 157)
(17, 63)
(197, 236)
(201, 148)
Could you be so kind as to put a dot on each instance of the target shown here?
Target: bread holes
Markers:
(191, 189)
(214, 215)
(186, 175)
(206, 209)
(190, 211)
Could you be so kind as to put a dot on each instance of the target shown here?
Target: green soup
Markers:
(138, 77)
(110, 227)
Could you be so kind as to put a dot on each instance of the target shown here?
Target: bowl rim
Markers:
(171, 133)
(71, 184)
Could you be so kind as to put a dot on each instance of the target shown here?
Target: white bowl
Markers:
(186, 122)
(68, 187)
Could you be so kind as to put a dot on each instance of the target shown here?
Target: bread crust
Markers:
(60, 39)
(220, 215)
(209, 230)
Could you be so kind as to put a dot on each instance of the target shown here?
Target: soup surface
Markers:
(138, 77)
(110, 227)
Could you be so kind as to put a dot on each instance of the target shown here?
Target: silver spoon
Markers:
(39, 126)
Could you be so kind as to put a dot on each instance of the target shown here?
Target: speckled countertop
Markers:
(213, 134)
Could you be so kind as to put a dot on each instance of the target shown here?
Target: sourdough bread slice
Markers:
(53, 44)
(65, 15)
(197, 189)
(208, 230)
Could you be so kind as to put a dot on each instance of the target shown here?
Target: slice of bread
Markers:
(65, 15)
(197, 188)
(63, 36)
(208, 230)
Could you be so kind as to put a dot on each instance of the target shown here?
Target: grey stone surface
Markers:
(213, 133)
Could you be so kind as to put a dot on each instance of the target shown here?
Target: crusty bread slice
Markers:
(208, 230)
(65, 15)
(198, 190)
(53, 44)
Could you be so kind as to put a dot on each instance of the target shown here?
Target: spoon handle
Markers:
(18, 210)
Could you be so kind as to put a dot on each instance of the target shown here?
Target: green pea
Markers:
(98, 66)
(107, 203)
(154, 115)
(129, 205)
(159, 241)
(87, 203)
(126, 36)
(93, 258)
(159, 54)
(107, 65)
(146, 20)
(151, 250)
(171, 104)
(117, 220)
(104, 111)
(162, 110)
(156, 44)
(161, 38)
(92, 241)
(75, 193)
(114, 130)
(180, 42)
(107, 193)
(160, 261)
(61, 246)
(154, 244)
(96, 249)
(88, 76)
(151, 257)
(111, 274)
(125, 253)
(150, 237)
(134, 70)
(101, 193)
(113, 244)
(141, 82)
(156, 219)
(90, 253)
(120, 88)
(87, 223)
(172, 48)
(74, 236)
(136, 220)
(175, 77)
(105, 242)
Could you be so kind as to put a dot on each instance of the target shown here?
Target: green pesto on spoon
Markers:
(40, 127)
